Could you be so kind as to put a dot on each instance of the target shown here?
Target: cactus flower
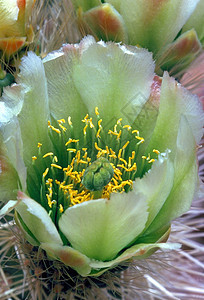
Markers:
(173, 30)
(15, 31)
(99, 154)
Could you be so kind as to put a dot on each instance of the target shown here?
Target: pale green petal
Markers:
(116, 74)
(11, 102)
(146, 120)
(37, 220)
(101, 228)
(64, 99)
(152, 25)
(174, 101)
(26, 232)
(34, 114)
(69, 256)
(29, 102)
(9, 180)
(156, 185)
(13, 169)
(185, 179)
(118, 78)
(196, 20)
(10, 106)
(8, 207)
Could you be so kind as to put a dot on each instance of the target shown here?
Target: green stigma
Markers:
(98, 174)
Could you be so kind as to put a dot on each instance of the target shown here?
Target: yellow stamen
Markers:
(99, 123)
(55, 158)
(49, 201)
(61, 208)
(84, 130)
(119, 135)
(71, 150)
(71, 141)
(97, 147)
(151, 160)
(85, 118)
(69, 121)
(112, 132)
(39, 145)
(56, 166)
(48, 154)
(45, 173)
(49, 181)
(91, 123)
(96, 111)
(136, 131)
(34, 158)
(98, 133)
(148, 158)
(62, 127)
(156, 151)
(126, 144)
(61, 121)
(128, 127)
(124, 161)
(140, 138)
(83, 161)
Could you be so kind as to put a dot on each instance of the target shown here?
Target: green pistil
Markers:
(98, 174)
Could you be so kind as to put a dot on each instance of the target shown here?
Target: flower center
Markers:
(93, 165)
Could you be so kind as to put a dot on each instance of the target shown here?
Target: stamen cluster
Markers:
(62, 180)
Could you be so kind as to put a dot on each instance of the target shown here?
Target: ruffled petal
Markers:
(118, 76)
(101, 228)
(64, 99)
